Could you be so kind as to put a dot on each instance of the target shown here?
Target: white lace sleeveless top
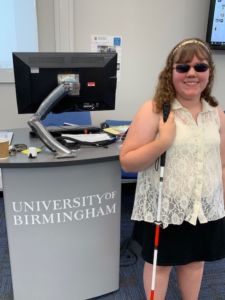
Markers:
(192, 186)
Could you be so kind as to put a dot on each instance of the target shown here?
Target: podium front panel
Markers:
(63, 227)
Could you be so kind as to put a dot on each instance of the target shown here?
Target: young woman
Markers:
(192, 213)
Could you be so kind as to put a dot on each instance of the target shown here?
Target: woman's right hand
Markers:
(167, 130)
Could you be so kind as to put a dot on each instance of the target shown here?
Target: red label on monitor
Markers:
(91, 83)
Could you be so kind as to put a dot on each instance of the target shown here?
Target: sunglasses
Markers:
(13, 149)
(184, 68)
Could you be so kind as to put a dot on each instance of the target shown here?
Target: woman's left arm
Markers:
(222, 145)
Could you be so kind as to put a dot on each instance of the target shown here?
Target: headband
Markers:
(193, 41)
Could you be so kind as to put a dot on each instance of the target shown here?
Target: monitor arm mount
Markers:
(39, 129)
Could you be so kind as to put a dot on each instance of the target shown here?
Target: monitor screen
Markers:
(215, 36)
(37, 74)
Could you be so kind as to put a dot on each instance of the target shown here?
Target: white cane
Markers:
(166, 111)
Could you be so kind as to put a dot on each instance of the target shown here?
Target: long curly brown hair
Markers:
(183, 52)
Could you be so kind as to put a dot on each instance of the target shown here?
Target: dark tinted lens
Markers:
(183, 68)
(201, 67)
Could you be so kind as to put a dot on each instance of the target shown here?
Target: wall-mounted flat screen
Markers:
(215, 36)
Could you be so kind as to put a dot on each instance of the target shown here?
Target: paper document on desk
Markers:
(92, 137)
(117, 130)
(6, 135)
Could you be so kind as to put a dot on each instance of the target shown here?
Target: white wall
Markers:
(149, 30)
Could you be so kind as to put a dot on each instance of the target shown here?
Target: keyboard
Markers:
(58, 130)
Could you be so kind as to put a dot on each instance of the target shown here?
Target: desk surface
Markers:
(46, 158)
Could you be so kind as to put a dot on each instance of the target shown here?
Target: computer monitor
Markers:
(37, 74)
(215, 35)
(63, 82)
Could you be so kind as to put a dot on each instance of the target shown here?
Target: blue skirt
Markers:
(185, 243)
